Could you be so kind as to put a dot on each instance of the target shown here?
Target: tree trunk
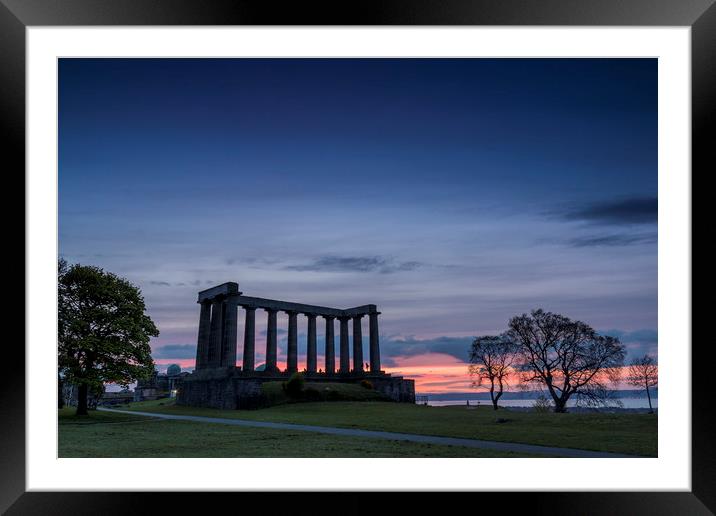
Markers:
(560, 405)
(60, 397)
(82, 399)
(651, 410)
(492, 397)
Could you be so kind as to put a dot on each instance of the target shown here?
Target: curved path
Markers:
(393, 436)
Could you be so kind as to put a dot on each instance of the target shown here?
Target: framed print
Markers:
(402, 245)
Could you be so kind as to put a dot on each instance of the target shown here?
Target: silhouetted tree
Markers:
(567, 357)
(491, 358)
(644, 372)
(103, 332)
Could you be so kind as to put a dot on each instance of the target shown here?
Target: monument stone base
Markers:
(230, 388)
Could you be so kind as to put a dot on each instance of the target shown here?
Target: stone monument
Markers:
(218, 382)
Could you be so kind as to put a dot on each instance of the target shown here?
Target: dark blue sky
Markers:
(453, 193)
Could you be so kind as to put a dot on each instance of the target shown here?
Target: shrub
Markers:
(366, 384)
(542, 404)
(273, 393)
(294, 385)
(311, 394)
(332, 395)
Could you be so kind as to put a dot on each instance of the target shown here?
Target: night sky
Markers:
(452, 193)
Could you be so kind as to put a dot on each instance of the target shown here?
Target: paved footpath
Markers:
(393, 436)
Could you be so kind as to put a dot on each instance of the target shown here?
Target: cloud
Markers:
(194, 283)
(387, 361)
(457, 347)
(645, 335)
(252, 261)
(615, 240)
(637, 342)
(635, 210)
(174, 351)
(381, 264)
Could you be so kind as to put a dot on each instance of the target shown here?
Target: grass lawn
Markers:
(105, 434)
(634, 434)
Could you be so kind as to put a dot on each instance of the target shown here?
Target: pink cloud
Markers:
(434, 372)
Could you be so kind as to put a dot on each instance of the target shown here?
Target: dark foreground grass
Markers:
(634, 434)
(106, 434)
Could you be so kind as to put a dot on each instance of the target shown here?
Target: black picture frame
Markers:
(699, 15)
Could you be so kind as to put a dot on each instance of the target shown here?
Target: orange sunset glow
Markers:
(436, 373)
(433, 372)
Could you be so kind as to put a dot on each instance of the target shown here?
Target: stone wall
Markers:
(395, 387)
(213, 388)
(228, 388)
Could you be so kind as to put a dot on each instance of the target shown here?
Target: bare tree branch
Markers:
(644, 372)
(491, 359)
(567, 357)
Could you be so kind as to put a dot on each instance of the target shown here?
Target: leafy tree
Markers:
(103, 332)
(491, 359)
(644, 372)
(566, 357)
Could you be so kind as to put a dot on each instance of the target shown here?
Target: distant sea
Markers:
(630, 399)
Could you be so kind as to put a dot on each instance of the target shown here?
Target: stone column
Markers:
(311, 364)
(202, 341)
(215, 333)
(374, 346)
(271, 340)
(357, 344)
(249, 339)
(345, 366)
(228, 341)
(330, 346)
(292, 354)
